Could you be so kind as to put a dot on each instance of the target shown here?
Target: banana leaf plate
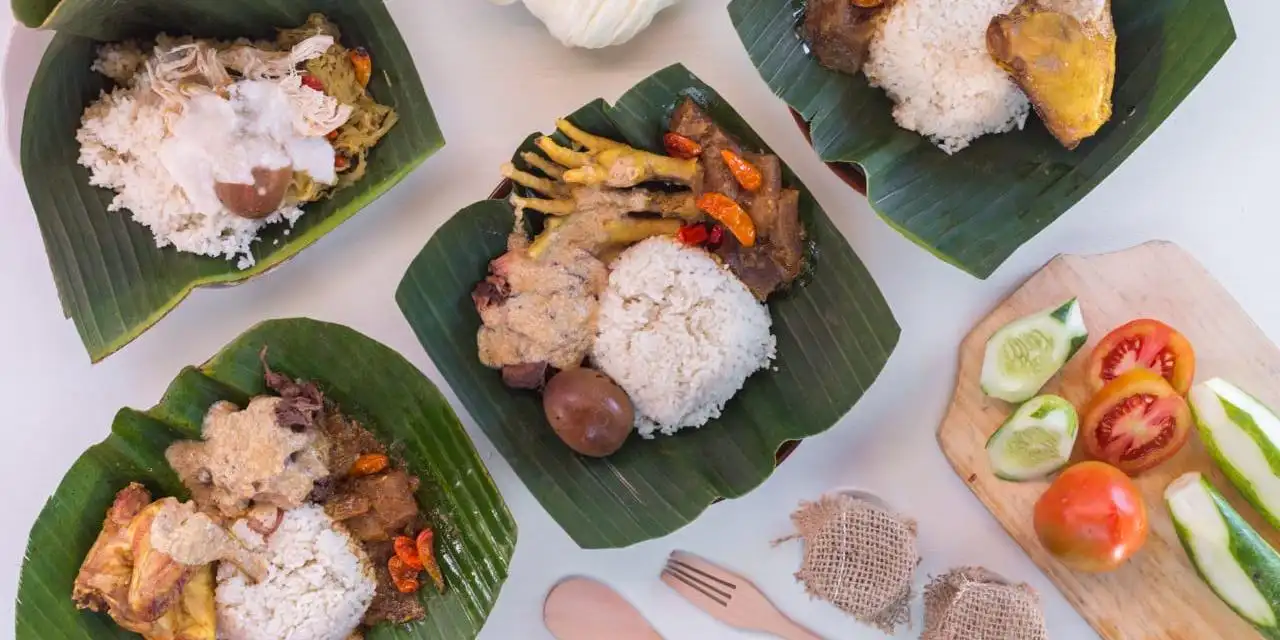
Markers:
(369, 381)
(114, 283)
(975, 208)
(835, 333)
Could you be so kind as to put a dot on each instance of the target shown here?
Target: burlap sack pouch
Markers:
(972, 603)
(859, 557)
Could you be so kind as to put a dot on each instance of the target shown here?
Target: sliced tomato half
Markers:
(1135, 422)
(1143, 344)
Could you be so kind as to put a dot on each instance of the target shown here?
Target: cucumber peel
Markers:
(1035, 441)
(1023, 355)
(1243, 436)
(1237, 564)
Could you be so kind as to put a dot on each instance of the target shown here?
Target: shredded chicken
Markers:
(196, 68)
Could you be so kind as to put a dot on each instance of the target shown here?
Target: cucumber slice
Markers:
(1243, 436)
(1024, 354)
(1228, 554)
(1035, 441)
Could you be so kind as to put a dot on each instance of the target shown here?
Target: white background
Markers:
(1204, 179)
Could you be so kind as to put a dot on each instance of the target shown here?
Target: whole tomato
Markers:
(1091, 518)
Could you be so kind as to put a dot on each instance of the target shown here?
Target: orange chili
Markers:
(402, 575)
(680, 146)
(427, 554)
(368, 464)
(407, 551)
(744, 172)
(363, 65)
(730, 214)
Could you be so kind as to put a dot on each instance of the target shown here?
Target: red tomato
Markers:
(1091, 518)
(1143, 344)
(1135, 422)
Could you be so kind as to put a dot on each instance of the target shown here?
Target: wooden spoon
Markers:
(584, 609)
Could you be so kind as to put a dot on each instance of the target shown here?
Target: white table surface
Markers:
(1205, 180)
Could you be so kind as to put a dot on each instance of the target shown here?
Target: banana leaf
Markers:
(835, 333)
(975, 208)
(113, 281)
(474, 531)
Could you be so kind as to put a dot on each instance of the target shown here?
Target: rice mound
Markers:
(319, 582)
(931, 58)
(679, 333)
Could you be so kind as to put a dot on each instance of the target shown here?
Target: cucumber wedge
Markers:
(1243, 436)
(1024, 354)
(1035, 441)
(1228, 554)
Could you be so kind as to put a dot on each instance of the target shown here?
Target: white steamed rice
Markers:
(931, 58)
(679, 333)
(319, 583)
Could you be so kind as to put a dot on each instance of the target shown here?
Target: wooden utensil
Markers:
(728, 597)
(584, 609)
(1156, 595)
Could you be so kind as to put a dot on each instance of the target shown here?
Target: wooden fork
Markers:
(728, 597)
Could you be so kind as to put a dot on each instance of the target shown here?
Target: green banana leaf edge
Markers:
(975, 208)
(835, 333)
(475, 533)
(113, 282)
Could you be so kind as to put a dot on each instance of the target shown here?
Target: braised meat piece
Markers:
(786, 236)
(347, 441)
(762, 205)
(392, 505)
(525, 376)
(839, 32)
(778, 255)
(691, 121)
(754, 266)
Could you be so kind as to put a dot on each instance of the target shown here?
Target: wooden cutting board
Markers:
(1156, 595)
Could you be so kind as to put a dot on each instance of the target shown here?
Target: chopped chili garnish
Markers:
(716, 236)
(744, 172)
(368, 464)
(363, 65)
(312, 82)
(407, 551)
(403, 576)
(680, 146)
(730, 214)
(427, 554)
(340, 162)
(693, 235)
(332, 135)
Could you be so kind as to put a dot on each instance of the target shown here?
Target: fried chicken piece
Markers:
(143, 589)
(1062, 54)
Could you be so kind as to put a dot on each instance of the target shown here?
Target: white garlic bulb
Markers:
(594, 23)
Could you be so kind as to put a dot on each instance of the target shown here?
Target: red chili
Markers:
(692, 234)
(312, 82)
(716, 236)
